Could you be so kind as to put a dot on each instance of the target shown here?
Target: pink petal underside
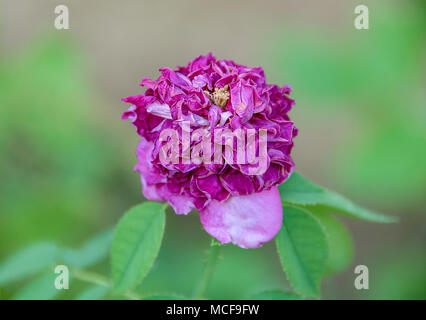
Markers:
(181, 204)
(247, 221)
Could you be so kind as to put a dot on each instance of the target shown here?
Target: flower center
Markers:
(220, 96)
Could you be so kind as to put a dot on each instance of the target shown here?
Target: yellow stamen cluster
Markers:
(220, 96)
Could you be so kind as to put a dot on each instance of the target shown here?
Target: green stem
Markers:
(95, 278)
(208, 271)
(91, 277)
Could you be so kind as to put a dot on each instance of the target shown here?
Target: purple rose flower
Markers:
(235, 204)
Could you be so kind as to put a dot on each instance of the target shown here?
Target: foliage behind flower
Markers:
(211, 94)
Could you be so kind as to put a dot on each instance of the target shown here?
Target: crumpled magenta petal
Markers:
(247, 221)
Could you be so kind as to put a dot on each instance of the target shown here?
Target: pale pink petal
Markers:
(159, 109)
(247, 221)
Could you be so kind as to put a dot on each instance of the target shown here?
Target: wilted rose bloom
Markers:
(235, 205)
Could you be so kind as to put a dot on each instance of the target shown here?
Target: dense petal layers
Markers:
(211, 94)
(247, 221)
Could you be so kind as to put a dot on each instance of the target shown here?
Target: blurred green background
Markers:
(66, 158)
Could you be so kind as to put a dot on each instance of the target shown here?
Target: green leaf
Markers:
(94, 251)
(276, 295)
(298, 190)
(136, 243)
(42, 288)
(303, 251)
(340, 244)
(27, 261)
(95, 292)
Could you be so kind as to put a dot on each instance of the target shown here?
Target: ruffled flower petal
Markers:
(237, 203)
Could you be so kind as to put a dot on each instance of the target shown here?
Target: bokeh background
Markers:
(66, 158)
